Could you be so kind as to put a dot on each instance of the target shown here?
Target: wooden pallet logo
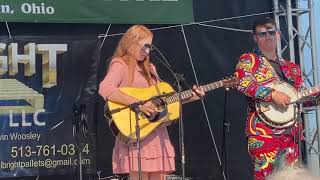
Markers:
(11, 90)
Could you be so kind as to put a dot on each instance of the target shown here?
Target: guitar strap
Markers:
(276, 66)
(155, 76)
(158, 79)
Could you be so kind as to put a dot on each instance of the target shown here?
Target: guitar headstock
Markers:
(230, 82)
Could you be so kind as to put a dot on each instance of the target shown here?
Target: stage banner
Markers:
(48, 89)
(98, 11)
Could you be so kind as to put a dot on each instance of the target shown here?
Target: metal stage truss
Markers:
(302, 12)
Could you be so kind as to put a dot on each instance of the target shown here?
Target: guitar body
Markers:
(279, 117)
(123, 123)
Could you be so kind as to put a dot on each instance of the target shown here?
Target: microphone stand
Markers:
(135, 108)
(179, 78)
(225, 129)
(296, 139)
(297, 107)
(79, 133)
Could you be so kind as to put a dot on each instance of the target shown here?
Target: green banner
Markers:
(97, 11)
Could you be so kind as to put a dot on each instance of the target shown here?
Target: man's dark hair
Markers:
(261, 22)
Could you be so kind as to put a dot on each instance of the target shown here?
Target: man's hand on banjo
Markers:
(280, 99)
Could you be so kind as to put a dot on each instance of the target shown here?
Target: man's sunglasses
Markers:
(264, 34)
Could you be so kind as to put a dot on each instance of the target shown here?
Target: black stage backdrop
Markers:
(214, 52)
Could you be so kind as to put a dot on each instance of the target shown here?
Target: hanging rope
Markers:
(105, 36)
(8, 29)
(202, 102)
(202, 23)
(225, 28)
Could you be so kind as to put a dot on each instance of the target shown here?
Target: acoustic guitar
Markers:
(123, 119)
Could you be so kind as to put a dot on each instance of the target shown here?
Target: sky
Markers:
(308, 66)
(305, 25)
(307, 53)
(317, 16)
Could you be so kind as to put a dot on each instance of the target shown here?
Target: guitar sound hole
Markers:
(161, 110)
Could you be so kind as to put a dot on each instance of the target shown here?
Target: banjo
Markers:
(283, 117)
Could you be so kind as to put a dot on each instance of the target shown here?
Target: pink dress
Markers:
(157, 153)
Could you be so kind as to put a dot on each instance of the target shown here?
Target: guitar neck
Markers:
(188, 93)
(310, 91)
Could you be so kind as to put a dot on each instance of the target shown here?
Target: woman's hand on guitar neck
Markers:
(194, 95)
(280, 99)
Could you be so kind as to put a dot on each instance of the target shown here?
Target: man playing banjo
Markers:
(271, 85)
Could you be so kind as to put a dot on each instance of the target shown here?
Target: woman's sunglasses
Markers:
(147, 46)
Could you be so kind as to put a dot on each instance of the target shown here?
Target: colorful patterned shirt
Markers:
(255, 73)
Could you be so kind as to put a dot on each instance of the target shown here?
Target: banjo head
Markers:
(275, 116)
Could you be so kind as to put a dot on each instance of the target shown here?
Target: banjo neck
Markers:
(309, 91)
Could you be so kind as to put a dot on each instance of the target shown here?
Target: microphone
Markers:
(148, 46)
(152, 48)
